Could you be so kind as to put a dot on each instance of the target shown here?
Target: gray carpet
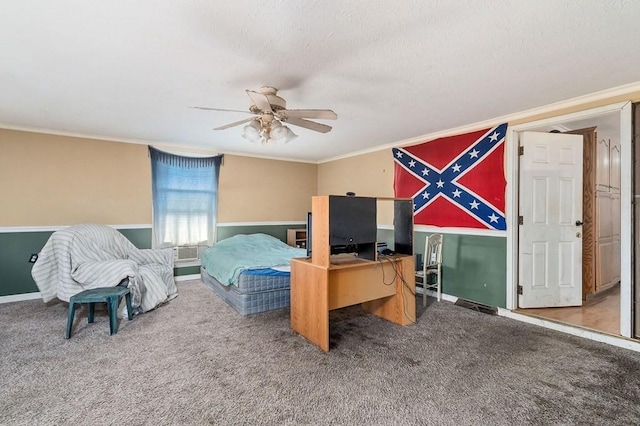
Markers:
(196, 361)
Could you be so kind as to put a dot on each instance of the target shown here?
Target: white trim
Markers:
(78, 135)
(187, 150)
(52, 228)
(511, 215)
(620, 342)
(575, 116)
(626, 225)
(626, 173)
(577, 101)
(187, 277)
(168, 147)
(434, 294)
(292, 222)
(460, 231)
(186, 263)
(36, 295)
(20, 297)
(268, 157)
(12, 229)
(389, 227)
(455, 231)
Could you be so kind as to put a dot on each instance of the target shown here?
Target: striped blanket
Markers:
(88, 256)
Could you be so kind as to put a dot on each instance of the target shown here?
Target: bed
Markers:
(250, 272)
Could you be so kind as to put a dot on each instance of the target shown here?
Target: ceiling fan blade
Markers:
(261, 101)
(323, 128)
(323, 114)
(220, 109)
(226, 126)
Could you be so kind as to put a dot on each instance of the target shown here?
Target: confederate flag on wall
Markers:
(456, 181)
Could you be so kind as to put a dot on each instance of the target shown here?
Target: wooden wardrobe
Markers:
(601, 213)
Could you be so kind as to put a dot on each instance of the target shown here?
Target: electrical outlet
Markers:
(33, 258)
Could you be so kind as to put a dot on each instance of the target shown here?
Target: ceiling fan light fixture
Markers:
(289, 134)
(280, 133)
(270, 112)
(252, 131)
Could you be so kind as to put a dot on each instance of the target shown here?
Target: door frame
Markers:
(624, 109)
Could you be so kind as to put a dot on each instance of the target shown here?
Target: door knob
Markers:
(579, 223)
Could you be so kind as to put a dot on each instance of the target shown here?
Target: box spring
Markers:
(254, 293)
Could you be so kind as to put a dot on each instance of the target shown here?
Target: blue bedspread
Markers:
(227, 258)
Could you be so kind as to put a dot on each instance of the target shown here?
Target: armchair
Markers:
(88, 256)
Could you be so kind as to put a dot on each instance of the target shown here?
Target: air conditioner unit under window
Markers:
(186, 253)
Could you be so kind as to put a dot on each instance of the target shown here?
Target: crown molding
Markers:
(580, 100)
(545, 109)
(53, 228)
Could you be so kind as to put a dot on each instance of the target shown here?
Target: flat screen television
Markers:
(403, 226)
(352, 220)
(353, 225)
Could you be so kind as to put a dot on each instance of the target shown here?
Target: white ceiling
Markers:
(129, 69)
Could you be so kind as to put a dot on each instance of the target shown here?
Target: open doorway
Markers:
(590, 295)
(597, 303)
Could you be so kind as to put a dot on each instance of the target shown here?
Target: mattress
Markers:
(257, 290)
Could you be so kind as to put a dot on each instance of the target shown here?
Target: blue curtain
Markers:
(185, 198)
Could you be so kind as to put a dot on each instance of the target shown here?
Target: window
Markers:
(185, 198)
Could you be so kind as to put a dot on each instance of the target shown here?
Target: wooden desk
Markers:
(317, 289)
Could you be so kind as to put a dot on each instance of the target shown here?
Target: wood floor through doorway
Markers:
(600, 312)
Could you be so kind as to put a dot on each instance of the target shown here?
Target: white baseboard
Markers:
(36, 295)
(187, 277)
(431, 293)
(20, 297)
(620, 342)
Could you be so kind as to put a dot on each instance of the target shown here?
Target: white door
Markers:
(550, 236)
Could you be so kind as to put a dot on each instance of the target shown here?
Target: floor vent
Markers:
(476, 307)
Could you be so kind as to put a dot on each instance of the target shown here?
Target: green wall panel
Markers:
(386, 236)
(15, 269)
(186, 270)
(474, 267)
(140, 237)
(17, 247)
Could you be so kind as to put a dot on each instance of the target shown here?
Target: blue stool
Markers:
(109, 295)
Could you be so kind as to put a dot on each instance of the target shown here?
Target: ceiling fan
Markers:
(269, 112)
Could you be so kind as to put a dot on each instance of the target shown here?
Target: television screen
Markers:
(403, 226)
(352, 220)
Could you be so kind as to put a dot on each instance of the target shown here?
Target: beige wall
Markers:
(48, 180)
(255, 190)
(368, 175)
